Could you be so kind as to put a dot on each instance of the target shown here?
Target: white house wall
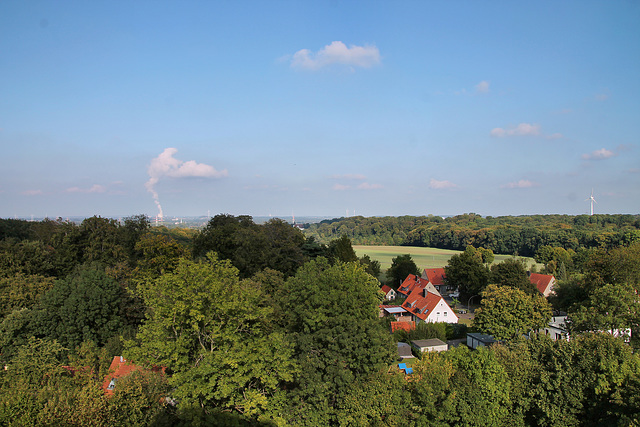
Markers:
(442, 313)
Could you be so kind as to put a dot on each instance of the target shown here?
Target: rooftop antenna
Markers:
(592, 200)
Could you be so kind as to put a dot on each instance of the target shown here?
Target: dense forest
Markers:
(263, 325)
(519, 235)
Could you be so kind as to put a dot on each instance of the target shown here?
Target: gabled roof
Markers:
(385, 289)
(410, 283)
(434, 275)
(542, 282)
(421, 304)
(120, 368)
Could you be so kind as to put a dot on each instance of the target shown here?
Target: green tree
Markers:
(612, 308)
(341, 250)
(467, 273)
(102, 241)
(22, 291)
(214, 332)
(481, 390)
(380, 399)
(507, 313)
(139, 400)
(512, 272)
(332, 315)
(487, 255)
(371, 266)
(84, 306)
(401, 267)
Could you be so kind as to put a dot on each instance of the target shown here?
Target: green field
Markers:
(423, 257)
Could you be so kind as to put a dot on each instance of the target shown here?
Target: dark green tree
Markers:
(371, 266)
(341, 250)
(512, 272)
(332, 315)
(401, 267)
(85, 306)
(467, 273)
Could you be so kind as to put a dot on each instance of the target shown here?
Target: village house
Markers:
(424, 302)
(395, 311)
(557, 328)
(388, 292)
(436, 277)
(544, 283)
(118, 369)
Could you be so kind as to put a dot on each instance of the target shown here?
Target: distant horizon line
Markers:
(169, 218)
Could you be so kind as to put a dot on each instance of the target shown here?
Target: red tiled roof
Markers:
(419, 305)
(385, 289)
(541, 281)
(435, 275)
(407, 326)
(412, 282)
(121, 368)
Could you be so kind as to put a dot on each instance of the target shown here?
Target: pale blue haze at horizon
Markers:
(91, 92)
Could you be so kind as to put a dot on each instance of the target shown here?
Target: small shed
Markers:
(404, 351)
(475, 340)
(433, 344)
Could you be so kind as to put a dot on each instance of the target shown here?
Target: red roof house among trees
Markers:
(436, 277)
(120, 368)
(388, 292)
(543, 282)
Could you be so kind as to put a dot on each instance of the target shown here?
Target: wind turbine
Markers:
(592, 201)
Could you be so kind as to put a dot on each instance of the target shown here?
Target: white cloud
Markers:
(33, 193)
(523, 183)
(340, 187)
(482, 87)
(600, 154)
(441, 185)
(336, 53)
(522, 129)
(367, 186)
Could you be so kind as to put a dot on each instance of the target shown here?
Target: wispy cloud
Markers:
(340, 187)
(336, 53)
(434, 184)
(368, 186)
(602, 96)
(349, 176)
(600, 154)
(32, 193)
(523, 183)
(522, 129)
(96, 188)
(482, 87)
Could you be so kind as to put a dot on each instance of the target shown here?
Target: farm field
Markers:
(423, 257)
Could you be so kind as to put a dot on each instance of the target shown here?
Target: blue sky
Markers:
(319, 108)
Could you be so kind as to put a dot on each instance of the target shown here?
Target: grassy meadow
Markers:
(423, 257)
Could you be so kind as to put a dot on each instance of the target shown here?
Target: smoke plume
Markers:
(165, 165)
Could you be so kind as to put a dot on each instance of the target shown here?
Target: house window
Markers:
(445, 314)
